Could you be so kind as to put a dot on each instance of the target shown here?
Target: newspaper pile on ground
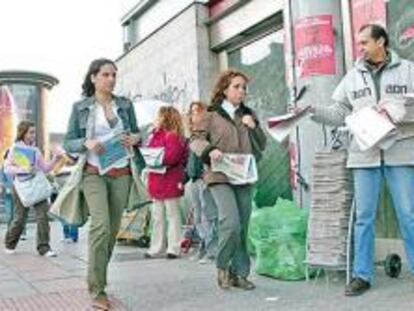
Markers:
(330, 211)
(239, 168)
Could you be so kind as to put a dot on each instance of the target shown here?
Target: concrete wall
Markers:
(173, 65)
(241, 19)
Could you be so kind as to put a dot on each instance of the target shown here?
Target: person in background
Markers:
(6, 186)
(100, 115)
(204, 209)
(166, 189)
(70, 232)
(26, 138)
(229, 127)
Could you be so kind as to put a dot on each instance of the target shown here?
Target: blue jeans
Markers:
(71, 232)
(8, 208)
(367, 184)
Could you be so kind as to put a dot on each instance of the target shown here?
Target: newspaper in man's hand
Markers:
(281, 126)
(239, 168)
(154, 157)
(370, 128)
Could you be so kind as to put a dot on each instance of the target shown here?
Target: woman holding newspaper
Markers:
(230, 131)
(103, 129)
(166, 186)
(23, 160)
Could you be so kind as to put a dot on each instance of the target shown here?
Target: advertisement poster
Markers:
(7, 121)
(315, 46)
(366, 12)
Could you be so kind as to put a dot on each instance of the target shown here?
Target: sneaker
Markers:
(9, 251)
(50, 253)
(357, 287)
(66, 240)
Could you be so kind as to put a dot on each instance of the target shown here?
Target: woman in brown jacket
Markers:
(229, 127)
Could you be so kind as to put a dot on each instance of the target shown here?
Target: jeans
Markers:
(367, 184)
(234, 205)
(205, 217)
(106, 198)
(18, 225)
(71, 232)
(8, 208)
(159, 241)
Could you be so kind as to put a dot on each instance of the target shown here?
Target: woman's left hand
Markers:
(129, 140)
(248, 121)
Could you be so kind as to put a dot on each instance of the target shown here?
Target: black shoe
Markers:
(172, 256)
(357, 287)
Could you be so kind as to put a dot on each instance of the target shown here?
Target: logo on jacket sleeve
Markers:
(396, 89)
(365, 92)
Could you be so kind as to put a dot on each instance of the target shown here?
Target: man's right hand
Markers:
(94, 146)
(216, 155)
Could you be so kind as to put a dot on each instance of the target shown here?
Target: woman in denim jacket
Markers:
(95, 118)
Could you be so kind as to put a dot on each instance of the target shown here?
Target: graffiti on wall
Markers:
(170, 89)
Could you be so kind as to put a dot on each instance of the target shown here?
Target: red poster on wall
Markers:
(366, 12)
(315, 46)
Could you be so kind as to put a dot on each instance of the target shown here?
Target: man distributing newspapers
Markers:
(380, 80)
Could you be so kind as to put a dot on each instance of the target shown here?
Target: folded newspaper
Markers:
(239, 168)
(370, 128)
(114, 153)
(154, 156)
(281, 126)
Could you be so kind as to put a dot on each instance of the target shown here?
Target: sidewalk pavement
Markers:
(31, 282)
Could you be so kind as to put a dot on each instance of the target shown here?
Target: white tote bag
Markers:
(34, 189)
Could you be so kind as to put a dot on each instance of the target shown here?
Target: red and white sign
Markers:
(366, 12)
(315, 46)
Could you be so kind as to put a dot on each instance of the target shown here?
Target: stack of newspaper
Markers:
(330, 211)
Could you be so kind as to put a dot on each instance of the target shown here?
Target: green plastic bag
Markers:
(278, 235)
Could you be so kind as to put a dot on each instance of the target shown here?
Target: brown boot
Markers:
(223, 279)
(240, 282)
(100, 303)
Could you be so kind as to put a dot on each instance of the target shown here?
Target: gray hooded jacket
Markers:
(362, 87)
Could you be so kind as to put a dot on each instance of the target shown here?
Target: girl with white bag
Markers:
(25, 164)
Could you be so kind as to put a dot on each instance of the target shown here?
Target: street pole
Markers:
(315, 53)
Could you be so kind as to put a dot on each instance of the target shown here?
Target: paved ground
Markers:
(31, 282)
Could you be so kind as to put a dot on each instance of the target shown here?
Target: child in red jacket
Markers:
(167, 188)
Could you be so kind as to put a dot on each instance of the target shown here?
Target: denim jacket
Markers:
(76, 133)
